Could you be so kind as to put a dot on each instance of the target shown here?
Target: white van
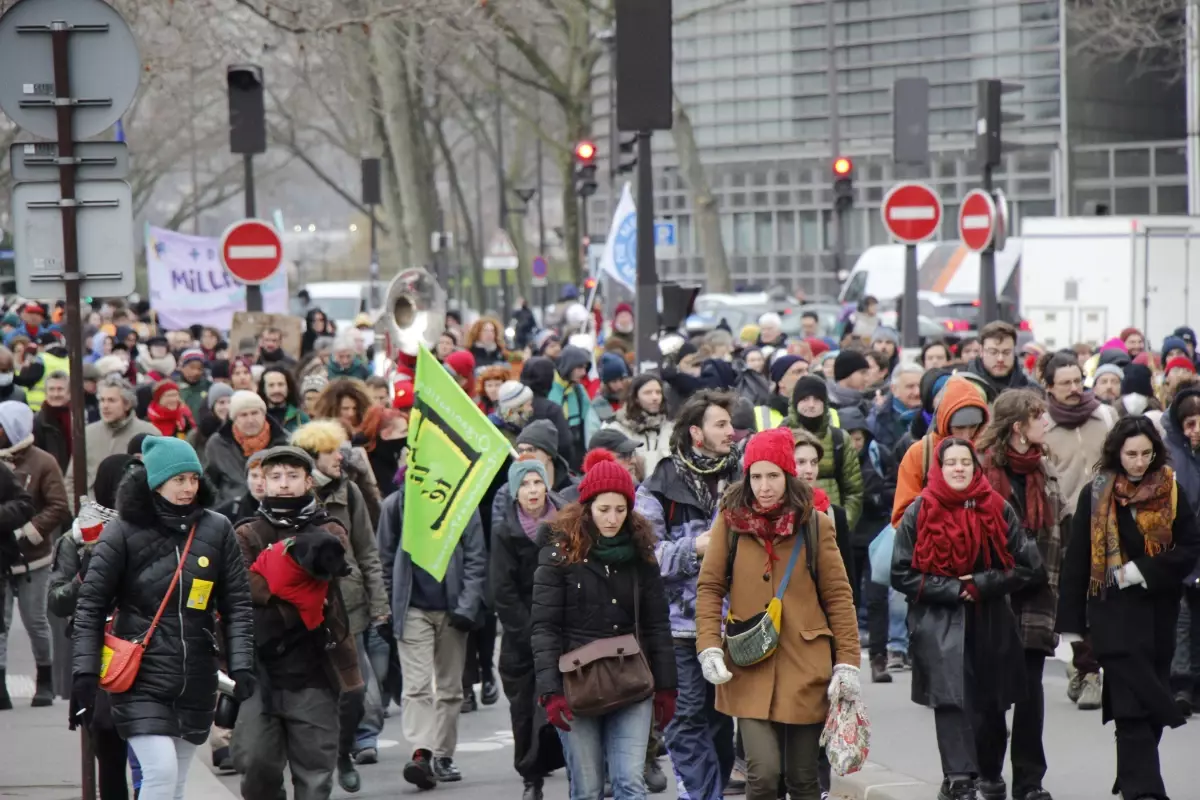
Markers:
(341, 301)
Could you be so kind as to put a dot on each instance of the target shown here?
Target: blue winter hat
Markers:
(613, 368)
(521, 468)
(781, 365)
(1173, 343)
(165, 457)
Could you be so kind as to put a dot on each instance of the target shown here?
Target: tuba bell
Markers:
(414, 311)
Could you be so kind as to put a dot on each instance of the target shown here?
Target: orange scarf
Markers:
(253, 444)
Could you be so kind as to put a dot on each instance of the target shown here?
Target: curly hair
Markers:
(1012, 407)
(574, 530)
(329, 401)
(496, 372)
(477, 328)
(319, 436)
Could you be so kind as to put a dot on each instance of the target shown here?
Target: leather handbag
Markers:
(120, 659)
(608, 674)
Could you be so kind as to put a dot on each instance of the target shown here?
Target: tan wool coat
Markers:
(790, 685)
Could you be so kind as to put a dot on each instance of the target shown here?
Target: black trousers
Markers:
(112, 762)
(971, 742)
(481, 653)
(1029, 718)
(1138, 770)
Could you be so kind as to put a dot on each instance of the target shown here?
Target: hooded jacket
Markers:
(538, 374)
(131, 567)
(958, 393)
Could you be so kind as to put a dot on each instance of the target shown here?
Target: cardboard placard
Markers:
(251, 324)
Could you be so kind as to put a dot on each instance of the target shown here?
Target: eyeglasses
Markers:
(992, 352)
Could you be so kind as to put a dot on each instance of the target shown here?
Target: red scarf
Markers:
(170, 423)
(768, 525)
(288, 581)
(955, 528)
(1029, 464)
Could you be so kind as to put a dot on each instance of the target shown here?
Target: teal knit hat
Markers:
(165, 457)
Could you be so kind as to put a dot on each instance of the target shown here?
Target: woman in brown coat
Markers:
(781, 699)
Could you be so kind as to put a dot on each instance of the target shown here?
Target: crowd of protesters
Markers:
(1033, 496)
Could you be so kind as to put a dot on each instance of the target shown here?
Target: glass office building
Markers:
(755, 81)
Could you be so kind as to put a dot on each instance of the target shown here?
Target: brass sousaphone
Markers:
(414, 311)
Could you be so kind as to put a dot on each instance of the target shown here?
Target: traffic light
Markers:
(989, 143)
(585, 169)
(627, 161)
(247, 123)
(843, 183)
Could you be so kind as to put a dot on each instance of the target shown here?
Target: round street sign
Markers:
(251, 250)
(539, 267)
(911, 212)
(977, 220)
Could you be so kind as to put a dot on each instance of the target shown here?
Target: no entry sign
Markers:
(251, 250)
(977, 220)
(911, 212)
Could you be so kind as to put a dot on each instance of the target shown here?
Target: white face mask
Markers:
(6, 378)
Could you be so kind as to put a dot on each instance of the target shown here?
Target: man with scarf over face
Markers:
(1075, 437)
(292, 717)
(680, 500)
(840, 475)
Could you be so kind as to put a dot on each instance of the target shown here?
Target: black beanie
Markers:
(1137, 380)
(847, 363)
(810, 386)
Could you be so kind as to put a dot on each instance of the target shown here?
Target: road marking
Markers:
(238, 251)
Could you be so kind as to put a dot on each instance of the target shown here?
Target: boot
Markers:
(991, 790)
(469, 703)
(44, 694)
(419, 771)
(491, 690)
(879, 670)
(1092, 695)
(445, 770)
(957, 790)
(5, 700)
(533, 790)
(347, 774)
(656, 779)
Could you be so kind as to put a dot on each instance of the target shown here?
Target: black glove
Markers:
(83, 699)
(244, 683)
(461, 623)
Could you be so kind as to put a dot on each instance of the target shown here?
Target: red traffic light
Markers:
(585, 151)
(589, 283)
(843, 166)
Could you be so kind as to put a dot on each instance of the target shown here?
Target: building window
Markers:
(786, 221)
(743, 233)
(1131, 163)
(1172, 200)
(1132, 200)
(810, 238)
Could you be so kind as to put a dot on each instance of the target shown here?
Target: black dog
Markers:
(320, 554)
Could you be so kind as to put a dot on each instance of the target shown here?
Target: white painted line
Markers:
(912, 213)
(253, 251)
(975, 222)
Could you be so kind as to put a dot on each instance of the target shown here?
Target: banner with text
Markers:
(189, 285)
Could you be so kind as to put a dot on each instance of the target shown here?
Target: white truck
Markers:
(1083, 279)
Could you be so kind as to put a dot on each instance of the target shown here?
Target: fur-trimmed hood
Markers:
(135, 499)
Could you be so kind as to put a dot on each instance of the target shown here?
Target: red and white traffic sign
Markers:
(251, 250)
(911, 212)
(977, 220)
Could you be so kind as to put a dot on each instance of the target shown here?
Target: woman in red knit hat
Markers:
(776, 670)
(168, 412)
(597, 583)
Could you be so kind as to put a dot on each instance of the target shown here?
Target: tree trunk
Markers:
(706, 220)
(459, 198)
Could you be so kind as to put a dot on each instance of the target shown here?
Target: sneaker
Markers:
(469, 702)
(1074, 683)
(1090, 697)
(491, 692)
(959, 790)
(347, 774)
(895, 661)
(368, 755)
(991, 790)
(445, 770)
(419, 771)
(656, 779)
(1183, 699)
(879, 670)
(222, 759)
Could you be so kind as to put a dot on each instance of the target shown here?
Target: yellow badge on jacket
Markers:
(106, 655)
(198, 597)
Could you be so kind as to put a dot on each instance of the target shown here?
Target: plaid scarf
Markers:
(768, 525)
(696, 469)
(1154, 499)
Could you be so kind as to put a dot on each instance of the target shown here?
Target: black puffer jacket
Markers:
(130, 570)
(576, 604)
(514, 561)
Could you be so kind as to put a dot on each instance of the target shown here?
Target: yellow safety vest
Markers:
(36, 394)
(766, 418)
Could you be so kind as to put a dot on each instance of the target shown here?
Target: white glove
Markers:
(1129, 575)
(845, 685)
(712, 664)
(29, 532)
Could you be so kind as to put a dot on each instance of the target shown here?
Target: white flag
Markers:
(619, 258)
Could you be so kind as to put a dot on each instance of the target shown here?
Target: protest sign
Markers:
(251, 324)
(454, 453)
(189, 286)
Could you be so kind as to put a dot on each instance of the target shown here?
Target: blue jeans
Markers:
(374, 651)
(897, 622)
(699, 738)
(617, 739)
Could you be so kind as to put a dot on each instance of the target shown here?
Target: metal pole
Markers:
(541, 196)
(614, 138)
(479, 243)
(254, 300)
(193, 113)
(988, 307)
(835, 143)
(909, 325)
(60, 44)
(500, 189)
(376, 299)
(646, 315)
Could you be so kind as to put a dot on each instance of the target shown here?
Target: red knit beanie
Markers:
(602, 473)
(775, 445)
(1183, 362)
(162, 387)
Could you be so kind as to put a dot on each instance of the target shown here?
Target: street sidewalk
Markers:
(40, 756)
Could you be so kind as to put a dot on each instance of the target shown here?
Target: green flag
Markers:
(454, 453)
